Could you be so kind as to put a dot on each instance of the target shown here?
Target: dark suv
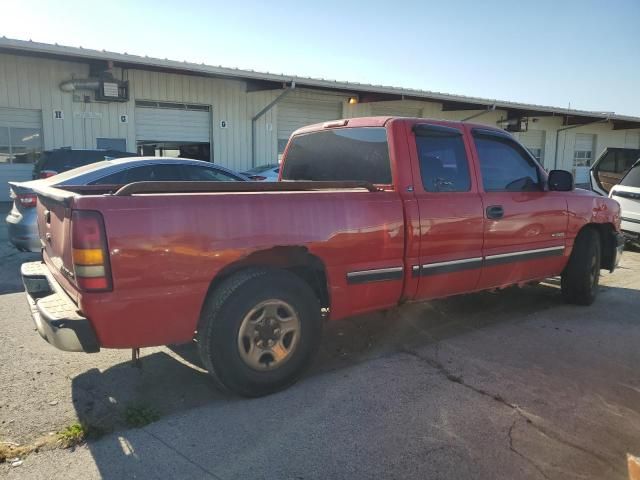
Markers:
(52, 162)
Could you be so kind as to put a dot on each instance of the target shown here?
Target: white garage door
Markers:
(20, 142)
(583, 156)
(534, 141)
(296, 113)
(169, 122)
(396, 109)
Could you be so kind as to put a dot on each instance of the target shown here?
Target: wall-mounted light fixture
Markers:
(353, 100)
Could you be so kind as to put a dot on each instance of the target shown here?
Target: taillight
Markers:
(47, 173)
(90, 257)
(28, 200)
(257, 178)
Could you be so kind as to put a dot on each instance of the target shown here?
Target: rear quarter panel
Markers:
(166, 249)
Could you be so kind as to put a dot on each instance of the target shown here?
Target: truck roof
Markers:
(381, 121)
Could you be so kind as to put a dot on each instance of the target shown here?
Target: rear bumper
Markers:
(56, 317)
(630, 226)
(23, 232)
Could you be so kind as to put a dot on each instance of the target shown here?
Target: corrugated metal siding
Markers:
(397, 109)
(296, 112)
(172, 125)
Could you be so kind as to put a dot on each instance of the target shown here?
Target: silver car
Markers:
(21, 221)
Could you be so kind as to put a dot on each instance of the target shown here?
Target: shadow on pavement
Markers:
(391, 415)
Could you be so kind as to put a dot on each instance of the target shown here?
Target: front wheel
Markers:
(581, 276)
(259, 331)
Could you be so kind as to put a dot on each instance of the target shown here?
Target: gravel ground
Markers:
(512, 384)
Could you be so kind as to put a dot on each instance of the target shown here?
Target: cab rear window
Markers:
(360, 154)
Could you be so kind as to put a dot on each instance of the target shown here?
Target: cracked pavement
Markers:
(513, 384)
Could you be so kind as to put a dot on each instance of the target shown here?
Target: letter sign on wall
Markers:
(58, 115)
(223, 124)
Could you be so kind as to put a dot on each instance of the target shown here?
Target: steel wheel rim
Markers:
(269, 335)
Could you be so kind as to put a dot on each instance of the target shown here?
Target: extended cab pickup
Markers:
(369, 213)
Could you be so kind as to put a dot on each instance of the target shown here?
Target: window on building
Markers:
(20, 145)
(339, 154)
(505, 165)
(443, 161)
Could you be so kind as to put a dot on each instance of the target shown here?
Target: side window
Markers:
(147, 173)
(505, 167)
(443, 162)
(204, 174)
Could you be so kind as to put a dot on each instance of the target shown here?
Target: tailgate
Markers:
(54, 227)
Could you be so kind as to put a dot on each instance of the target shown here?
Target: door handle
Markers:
(495, 212)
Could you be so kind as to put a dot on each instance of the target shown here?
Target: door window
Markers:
(443, 162)
(147, 173)
(505, 166)
(204, 174)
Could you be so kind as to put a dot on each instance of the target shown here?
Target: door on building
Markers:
(582, 157)
(294, 112)
(534, 141)
(173, 130)
(449, 203)
(525, 226)
(20, 145)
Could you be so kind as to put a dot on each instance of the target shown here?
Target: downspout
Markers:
(257, 116)
(555, 154)
(476, 115)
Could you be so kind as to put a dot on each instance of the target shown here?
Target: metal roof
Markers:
(375, 92)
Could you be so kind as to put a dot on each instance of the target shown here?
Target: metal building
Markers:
(54, 96)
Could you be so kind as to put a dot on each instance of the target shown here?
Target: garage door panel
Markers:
(296, 113)
(164, 124)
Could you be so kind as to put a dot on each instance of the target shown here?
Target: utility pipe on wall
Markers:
(257, 116)
(476, 115)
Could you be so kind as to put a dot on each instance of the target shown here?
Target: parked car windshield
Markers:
(339, 154)
(632, 178)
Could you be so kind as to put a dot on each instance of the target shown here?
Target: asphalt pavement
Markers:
(512, 384)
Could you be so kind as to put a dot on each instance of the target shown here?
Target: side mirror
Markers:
(560, 181)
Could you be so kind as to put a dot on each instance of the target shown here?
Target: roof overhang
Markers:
(260, 81)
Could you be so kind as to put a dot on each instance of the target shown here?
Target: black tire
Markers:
(223, 314)
(581, 276)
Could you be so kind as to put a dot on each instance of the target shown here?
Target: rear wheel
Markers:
(581, 276)
(259, 331)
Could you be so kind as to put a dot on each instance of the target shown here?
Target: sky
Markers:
(584, 54)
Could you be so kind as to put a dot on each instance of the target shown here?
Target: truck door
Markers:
(450, 209)
(525, 225)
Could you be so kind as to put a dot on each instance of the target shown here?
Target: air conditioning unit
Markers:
(514, 124)
(112, 91)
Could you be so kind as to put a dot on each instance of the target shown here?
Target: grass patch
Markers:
(73, 435)
(140, 415)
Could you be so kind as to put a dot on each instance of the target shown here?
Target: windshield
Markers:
(632, 178)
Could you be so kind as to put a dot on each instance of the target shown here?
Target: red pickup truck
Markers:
(369, 213)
